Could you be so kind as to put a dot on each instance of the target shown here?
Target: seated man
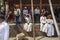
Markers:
(28, 24)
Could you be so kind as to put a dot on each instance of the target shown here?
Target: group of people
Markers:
(18, 14)
(46, 23)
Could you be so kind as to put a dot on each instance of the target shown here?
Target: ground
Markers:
(40, 38)
(14, 32)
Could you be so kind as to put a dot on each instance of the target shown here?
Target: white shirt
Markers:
(28, 19)
(50, 21)
(15, 12)
(42, 19)
(25, 11)
(37, 11)
(4, 31)
(19, 11)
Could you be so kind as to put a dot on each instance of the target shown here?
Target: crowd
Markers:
(46, 21)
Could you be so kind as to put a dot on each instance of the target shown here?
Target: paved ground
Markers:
(40, 38)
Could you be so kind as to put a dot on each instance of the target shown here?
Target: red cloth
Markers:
(10, 16)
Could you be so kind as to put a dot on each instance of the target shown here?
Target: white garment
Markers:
(28, 19)
(15, 12)
(48, 28)
(25, 11)
(28, 27)
(37, 11)
(4, 31)
(19, 11)
(2, 9)
(42, 22)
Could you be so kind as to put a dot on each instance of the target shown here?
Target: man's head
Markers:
(25, 7)
(1, 18)
(49, 16)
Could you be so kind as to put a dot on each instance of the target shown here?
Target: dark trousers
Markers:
(36, 18)
(17, 19)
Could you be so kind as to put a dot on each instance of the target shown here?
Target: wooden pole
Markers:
(40, 4)
(7, 9)
(21, 4)
(21, 10)
(55, 23)
(33, 19)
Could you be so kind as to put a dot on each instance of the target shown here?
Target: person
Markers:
(27, 17)
(42, 21)
(17, 13)
(9, 16)
(49, 28)
(36, 14)
(28, 24)
(25, 11)
(4, 28)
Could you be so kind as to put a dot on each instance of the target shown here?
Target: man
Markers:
(4, 29)
(25, 11)
(42, 21)
(28, 24)
(17, 13)
(37, 14)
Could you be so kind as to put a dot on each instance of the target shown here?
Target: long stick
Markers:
(21, 4)
(21, 9)
(40, 4)
(33, 18)
(55, 23)
(6, 12)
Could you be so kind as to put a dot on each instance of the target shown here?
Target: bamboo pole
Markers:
(21, 4)
(55, 23)
(7, 9)
(33, 19)
(21, 9)
(40, 4)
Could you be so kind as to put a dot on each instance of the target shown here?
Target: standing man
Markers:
(28, 25)
(17, 13)
(4, 29)
(37, 14)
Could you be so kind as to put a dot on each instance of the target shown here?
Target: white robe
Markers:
(48, 28)
(28, 27)
(4, 31)
(42, 20)
(28, 19)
